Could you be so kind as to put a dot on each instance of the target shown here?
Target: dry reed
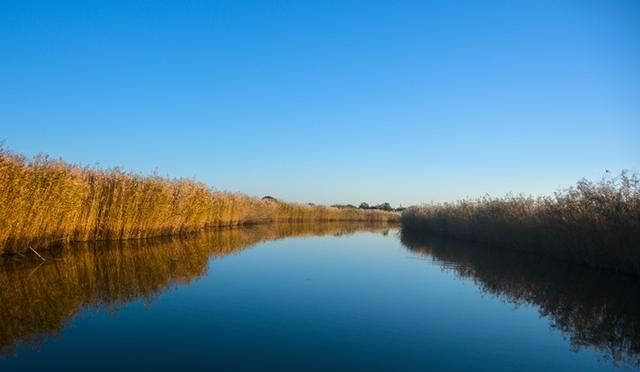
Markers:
(44, 201)
(596, 223)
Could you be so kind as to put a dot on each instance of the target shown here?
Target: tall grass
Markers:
(597, 223)
(44, 201)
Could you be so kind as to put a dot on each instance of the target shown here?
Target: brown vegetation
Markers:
(43, 201)
(593, 223)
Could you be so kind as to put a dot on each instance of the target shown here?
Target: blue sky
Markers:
(329, 102)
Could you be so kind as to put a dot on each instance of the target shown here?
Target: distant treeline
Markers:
(381, 207)
(45, 201)
(596, 223)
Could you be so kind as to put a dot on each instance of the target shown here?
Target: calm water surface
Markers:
(328, 297)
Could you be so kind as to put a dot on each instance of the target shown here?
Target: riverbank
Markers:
(597, 224)
(44, 202)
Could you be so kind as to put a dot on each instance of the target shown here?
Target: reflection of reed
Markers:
(592, 308)
(36, 301)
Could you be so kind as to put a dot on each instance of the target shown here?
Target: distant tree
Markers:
(270, 198)
(364, 205)
(344, 206)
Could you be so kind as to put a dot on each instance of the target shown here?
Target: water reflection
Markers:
(37, 299)
(592, 308)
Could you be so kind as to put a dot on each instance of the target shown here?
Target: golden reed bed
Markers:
(45, 201)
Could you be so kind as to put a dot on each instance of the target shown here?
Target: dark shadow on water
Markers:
(37, 299)
(592, 308)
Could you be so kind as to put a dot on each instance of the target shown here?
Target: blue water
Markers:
(361, 302)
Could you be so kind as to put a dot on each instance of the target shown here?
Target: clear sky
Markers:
(329, 101)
